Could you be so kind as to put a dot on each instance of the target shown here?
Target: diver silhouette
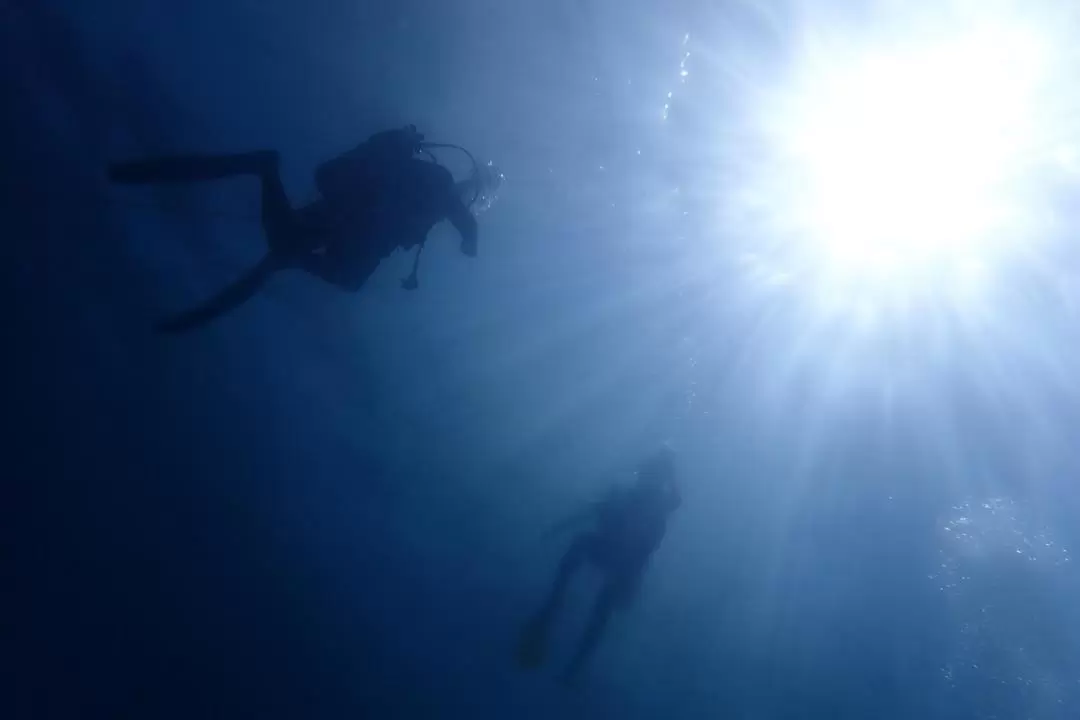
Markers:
(627, 527)
(372, 199)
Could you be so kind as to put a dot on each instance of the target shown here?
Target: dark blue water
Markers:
(332, 505)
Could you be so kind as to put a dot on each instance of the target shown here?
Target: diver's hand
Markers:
(469, 247)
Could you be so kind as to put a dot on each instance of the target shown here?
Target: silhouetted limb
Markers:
(606, 602)
(573, 558)
(338, 268)
(227, 299)
(283, 231)
(532, 644)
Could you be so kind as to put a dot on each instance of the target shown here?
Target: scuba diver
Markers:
(627, 526)
(372, 199)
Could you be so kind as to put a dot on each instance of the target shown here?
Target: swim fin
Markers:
(193, 168)
(227, 299)
(532, 645)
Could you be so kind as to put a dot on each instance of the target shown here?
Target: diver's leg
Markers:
(284, 232)
(334, 267)
(227, 299)
(572, 560)
(194, 168)
(606, 603)
(316, 220)
(532, 645)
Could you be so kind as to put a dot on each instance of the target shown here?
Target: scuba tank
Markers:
(339, 178)
(360, 172)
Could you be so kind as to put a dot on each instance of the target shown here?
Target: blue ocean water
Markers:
(330, 505)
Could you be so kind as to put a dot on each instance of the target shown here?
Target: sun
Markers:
(910, 155)
(903, 162)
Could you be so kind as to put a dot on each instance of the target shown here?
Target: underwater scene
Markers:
(528, 359)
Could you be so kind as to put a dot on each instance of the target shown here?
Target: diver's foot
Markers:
(130, 173)
(195, 168)
(532, 646)
(174, 325)
(264, 161)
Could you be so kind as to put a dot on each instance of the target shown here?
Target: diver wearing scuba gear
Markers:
(374, 198)
(617, 535)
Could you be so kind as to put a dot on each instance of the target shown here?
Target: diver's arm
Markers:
(465, 224)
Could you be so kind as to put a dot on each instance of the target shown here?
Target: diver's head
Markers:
(480, 190)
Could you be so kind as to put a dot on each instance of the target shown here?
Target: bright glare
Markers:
(910, 155)
(907, 161)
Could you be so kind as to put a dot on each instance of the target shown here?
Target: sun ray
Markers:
(898, 167)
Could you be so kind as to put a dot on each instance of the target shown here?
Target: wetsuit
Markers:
(629, 527)
(375, 198)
